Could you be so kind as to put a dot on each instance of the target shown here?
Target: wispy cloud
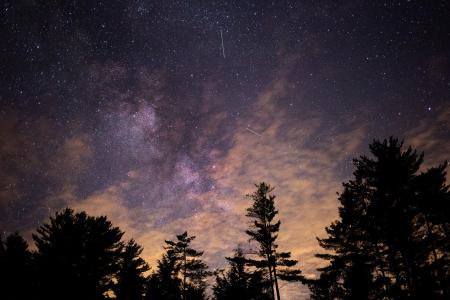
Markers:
(431, 136)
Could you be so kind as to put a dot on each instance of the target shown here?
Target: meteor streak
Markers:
(223, 48)
(254, 132)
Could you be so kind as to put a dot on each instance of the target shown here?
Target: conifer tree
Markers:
(131, 280)
(15, 269)
(164, 284)
(193, 271)
(264, 230)
(77, 256)
(392, 236)
(240, 283)
(181, 264)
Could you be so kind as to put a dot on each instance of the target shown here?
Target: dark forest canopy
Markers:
(390, 241)
(392, 238)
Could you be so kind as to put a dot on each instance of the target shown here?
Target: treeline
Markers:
(84, 257)
(391, 241)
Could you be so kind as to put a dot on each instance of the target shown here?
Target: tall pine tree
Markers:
(264, 230)
(181, 265)
(164, 283)
(238, 282)
(131, 279)
(392, 238)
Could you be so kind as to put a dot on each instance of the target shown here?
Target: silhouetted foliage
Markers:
(181, 273)
(264, 230)
(77, 256)
(131, 281)
(392, 239)
(164, 283)
(15, 269)
(240, 283)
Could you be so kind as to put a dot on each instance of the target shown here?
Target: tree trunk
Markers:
(269, 256)
(184, 276)
(271, 277)
(438, 272)
(276, 281)
(383, 274)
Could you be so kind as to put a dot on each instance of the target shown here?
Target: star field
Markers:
(162, 114)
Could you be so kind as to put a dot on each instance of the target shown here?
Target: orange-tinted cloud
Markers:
(268, 144)
(430, 136)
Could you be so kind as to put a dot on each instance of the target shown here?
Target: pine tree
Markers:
(239, 283)
(193, 271)
(131, 281)
(15, 269)
(77, 256)
(390, 241)
(433, 224)
(264, 230)
(181, 263)
(349, 246)
(164, 284)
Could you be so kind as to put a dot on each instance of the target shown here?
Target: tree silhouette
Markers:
(193, 271)
(433, 225)
(264, 230)
(239, 283)
(391, 241)
(78, 256)
(131, 281)
(164, 283)
(180, 270)
(15, 269)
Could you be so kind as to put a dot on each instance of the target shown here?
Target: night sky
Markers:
(163, 114)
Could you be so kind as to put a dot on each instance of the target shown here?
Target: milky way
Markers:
(163, 114)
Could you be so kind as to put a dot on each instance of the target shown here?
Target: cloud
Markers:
(285, 153)
(153, 188)
(38, 161)
(306, 173)
(431, 136)
(71, 159)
